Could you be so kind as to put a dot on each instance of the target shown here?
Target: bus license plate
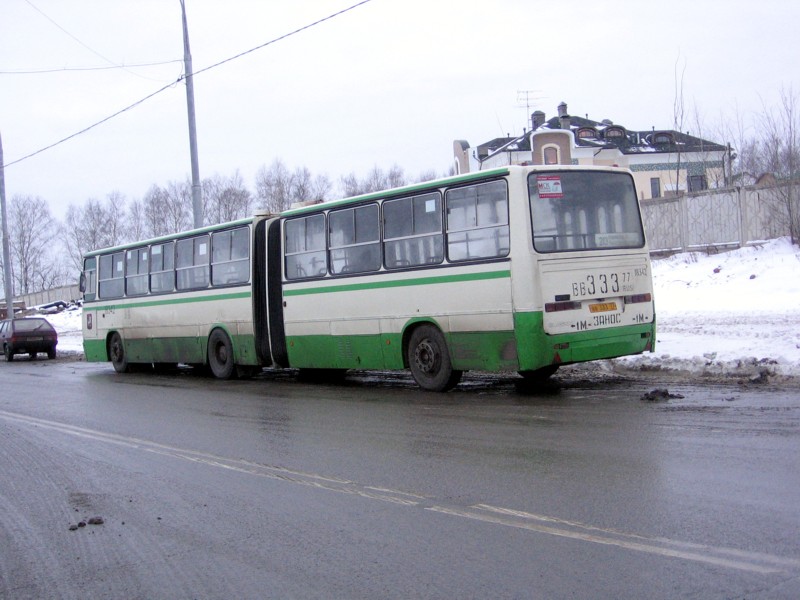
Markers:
(603, 307)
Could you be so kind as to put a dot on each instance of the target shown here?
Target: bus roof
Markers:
(171, 236)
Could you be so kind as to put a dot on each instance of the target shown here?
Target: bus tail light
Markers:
(559, 306)
(637, 298)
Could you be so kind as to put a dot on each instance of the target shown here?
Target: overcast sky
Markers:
(390, 82)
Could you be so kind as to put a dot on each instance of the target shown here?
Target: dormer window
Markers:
(615, 133)
(663, 137)
(587, 132)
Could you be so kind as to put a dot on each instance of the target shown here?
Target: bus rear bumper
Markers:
(537, 349)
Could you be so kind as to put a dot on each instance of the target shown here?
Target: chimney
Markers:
(537, 120)
(562, 109)
(563, 117)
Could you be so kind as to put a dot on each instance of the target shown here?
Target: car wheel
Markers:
(51, 353)
(9, 353)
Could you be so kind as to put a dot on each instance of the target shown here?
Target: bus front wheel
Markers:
(220, 355)
(116, 351)
(429, 360)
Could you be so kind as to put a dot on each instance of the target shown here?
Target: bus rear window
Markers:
(584, 210)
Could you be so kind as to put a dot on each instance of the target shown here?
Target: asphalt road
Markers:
(273, 488)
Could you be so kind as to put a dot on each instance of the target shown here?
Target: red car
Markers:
(28, 336)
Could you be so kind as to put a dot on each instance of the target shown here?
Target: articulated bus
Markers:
(513, 269)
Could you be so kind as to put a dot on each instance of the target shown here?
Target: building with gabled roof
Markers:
(664, 162)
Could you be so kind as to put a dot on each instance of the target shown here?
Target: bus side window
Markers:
(412, 231)
(136, 272)
(192, 263)
(89, 279)
(230, 257)
(162, 268)
(111, 276)
(355, 240)
(477, 221)
(305, 247)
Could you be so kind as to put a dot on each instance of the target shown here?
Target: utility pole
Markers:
(197, 192)
(7, 284)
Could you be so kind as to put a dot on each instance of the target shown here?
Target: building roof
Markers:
(606, 134)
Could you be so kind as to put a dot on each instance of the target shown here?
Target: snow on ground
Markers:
(734, 313)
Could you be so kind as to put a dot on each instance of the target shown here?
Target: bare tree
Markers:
(375, 181)
(95, 225)
(678, 114)
(136, 220)
(349, 185)
(301, 188)
(321, 188)
(166, 210)
(225, 199)
(274, 187)
(779, 146)
(153, 222)
(31, 230)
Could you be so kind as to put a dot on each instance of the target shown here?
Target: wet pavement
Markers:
(592, 486)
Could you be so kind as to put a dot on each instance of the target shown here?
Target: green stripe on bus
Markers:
(167, 301)
(354, 287)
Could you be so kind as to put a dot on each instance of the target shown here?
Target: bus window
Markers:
(90, 279)
(162, 268)
(355, 240)
(136, 272)
(584, 210)
(305, 247)
(191, 263)
(412, 231)
(230, 257)
(112, 270)
(477, 221)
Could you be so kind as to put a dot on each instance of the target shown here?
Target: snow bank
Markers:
(732, 313)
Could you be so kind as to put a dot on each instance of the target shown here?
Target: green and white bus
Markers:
(513, 269)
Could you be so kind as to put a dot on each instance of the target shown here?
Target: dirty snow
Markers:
(735, 312)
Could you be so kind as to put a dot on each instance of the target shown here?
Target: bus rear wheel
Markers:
(220, 355)
(116, 351)
(429, 360)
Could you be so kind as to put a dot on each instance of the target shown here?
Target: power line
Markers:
(113, 66)
(182, 77)
(90, 49)
(90, 127)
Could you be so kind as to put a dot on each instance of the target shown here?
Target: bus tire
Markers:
(220, 355)
(116, 352)
(429, 360)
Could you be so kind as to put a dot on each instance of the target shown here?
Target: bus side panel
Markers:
(358, 323)
(94, 345)
(172, 328)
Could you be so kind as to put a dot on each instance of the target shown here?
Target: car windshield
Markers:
(31, 325)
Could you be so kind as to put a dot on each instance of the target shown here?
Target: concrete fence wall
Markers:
(720, 219)
(66, 293)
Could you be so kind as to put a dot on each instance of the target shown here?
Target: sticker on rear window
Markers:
(549, 186)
